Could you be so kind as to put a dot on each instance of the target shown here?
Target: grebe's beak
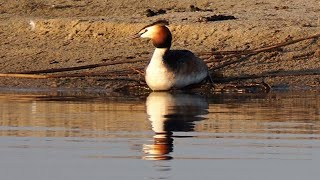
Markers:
(135, 36)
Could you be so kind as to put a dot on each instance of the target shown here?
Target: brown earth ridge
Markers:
(48, 34)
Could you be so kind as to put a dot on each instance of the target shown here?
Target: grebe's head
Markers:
(158, 32)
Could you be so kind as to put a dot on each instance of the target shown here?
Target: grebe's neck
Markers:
(160, 52)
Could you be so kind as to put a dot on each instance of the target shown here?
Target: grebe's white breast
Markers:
(158, 76)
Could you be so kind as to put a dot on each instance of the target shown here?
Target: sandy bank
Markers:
(53, 34)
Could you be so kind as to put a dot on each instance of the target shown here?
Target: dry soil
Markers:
(44, 34)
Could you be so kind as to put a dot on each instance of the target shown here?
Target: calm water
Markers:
(161, 136)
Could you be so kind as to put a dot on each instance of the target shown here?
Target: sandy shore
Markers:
(37, 34)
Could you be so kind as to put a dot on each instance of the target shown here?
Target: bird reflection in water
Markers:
(170, 113)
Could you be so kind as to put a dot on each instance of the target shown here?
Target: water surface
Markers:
(161, 136)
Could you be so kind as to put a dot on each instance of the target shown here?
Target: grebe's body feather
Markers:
(174, 69)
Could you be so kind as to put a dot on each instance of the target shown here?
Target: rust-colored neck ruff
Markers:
(163, 37)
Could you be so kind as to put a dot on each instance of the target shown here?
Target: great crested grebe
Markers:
(170, 69)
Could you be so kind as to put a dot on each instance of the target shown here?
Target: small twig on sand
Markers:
(138, 71)
(227, 63)
(85, 74)
(54, 70)
(17, 75)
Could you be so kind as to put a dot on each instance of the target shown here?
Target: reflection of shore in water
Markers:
(170, 113)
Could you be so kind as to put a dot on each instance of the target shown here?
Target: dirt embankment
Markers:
(37, 34)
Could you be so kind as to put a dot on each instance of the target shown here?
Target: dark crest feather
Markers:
(158, 22)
